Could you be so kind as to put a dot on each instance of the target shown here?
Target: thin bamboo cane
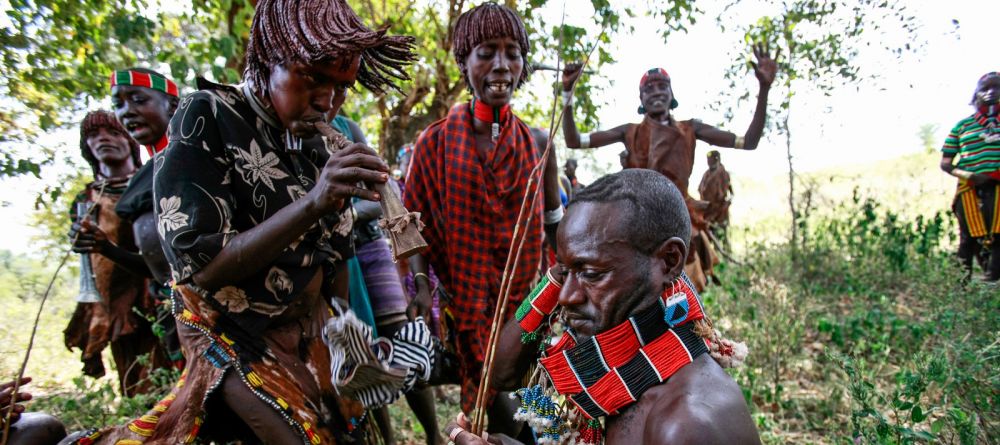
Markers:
(34, 330)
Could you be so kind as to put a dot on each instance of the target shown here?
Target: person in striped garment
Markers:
(971, 153)
(382, 288)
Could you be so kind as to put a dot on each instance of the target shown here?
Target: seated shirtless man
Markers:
(621, 248)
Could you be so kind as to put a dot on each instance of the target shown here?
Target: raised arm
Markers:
(573, 138)
(765, 69)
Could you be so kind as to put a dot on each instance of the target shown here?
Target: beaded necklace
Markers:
(487, 113)
(610, 371)
(986, 116)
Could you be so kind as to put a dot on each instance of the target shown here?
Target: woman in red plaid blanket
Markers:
(467, 178)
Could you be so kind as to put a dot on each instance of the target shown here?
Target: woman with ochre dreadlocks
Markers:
(467, 178)
(971, 153)
(254, 216)
(119, 273)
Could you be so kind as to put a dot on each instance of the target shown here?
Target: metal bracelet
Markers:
(739, 142)
(567, 98)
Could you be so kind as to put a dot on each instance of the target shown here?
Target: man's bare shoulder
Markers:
(701, 404)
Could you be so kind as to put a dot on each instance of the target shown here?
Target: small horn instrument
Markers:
(403, 226)
(88, 286)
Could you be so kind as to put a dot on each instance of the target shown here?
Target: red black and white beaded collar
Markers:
(612, 369)
(158, 146)
(605, 373)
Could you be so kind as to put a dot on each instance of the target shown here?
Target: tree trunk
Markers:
(399, 125)
(791, 175)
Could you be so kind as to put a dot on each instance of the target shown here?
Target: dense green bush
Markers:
(868, 335)
(863, 334)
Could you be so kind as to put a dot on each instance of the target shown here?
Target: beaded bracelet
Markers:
(542, 300)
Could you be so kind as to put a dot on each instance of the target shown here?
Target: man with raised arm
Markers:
(667, 145)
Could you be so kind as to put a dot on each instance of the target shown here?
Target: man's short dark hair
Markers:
(656, 208)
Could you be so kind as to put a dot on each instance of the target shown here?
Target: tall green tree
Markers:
(58, 55)
(927, 133)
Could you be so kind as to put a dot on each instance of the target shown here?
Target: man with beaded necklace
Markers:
(638, 350)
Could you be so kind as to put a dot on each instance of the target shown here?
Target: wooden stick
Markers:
(34, 330)
(543, 67)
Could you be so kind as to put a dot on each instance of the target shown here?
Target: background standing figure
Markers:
(971, 153)
(716, 192)
(119, 273)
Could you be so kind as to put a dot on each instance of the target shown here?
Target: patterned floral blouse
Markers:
(226, 170)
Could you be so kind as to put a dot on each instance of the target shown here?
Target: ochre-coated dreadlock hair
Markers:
(311, 31)
(485, 22)
(104, 119)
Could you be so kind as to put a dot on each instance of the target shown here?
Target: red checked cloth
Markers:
(469, 206)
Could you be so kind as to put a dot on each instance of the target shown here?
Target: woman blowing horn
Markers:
(254, 217)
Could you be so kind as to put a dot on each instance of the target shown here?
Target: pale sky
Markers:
(872, 122)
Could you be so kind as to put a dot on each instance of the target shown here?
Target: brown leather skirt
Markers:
(292, 376)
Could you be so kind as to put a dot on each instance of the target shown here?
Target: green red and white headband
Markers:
(648, 76)
(140, 79)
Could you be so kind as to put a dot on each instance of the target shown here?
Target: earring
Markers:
(642, 110)
(675, 302)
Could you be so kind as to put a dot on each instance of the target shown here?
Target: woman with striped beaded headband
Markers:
(144, 101)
